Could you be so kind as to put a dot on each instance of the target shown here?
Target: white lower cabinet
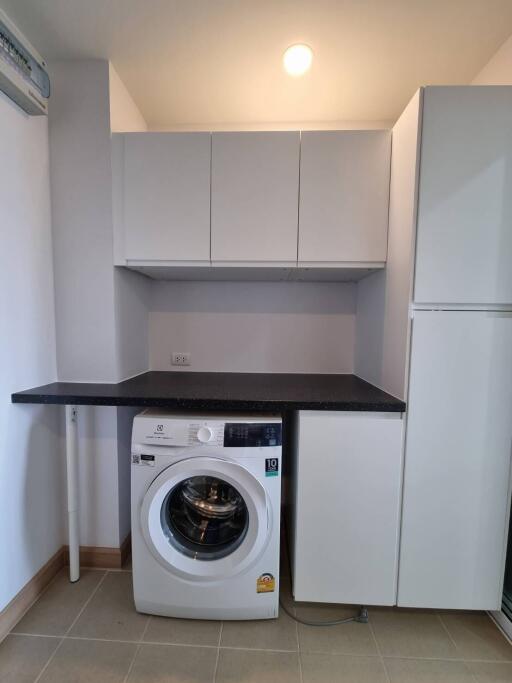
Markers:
(345, 496)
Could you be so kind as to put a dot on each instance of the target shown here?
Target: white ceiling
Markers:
(211, 63)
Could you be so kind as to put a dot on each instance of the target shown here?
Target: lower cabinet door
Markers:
(345, 507)
(457, 460)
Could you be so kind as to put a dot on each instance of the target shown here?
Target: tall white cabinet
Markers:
(436, 329)
(458, 444)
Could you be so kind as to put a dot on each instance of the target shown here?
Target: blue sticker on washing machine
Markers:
(271, 467)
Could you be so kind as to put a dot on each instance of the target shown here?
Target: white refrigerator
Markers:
(459, 415)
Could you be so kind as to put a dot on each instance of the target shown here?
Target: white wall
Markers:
(31, 502)
(101, 312)
(498, 71)
(254, 326)
(82, 221)
(382, 321)
(125, 116)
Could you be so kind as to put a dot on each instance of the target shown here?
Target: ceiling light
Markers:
(297, 59)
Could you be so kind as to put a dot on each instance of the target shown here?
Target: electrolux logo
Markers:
(159, 428)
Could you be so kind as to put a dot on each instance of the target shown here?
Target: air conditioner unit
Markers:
(23, 75)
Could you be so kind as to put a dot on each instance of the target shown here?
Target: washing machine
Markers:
(206, 493)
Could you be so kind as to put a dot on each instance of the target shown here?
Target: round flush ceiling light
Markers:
(297, 59)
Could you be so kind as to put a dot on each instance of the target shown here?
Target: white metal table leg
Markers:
(72, 485)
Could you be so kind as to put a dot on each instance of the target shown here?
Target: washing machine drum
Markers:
(206, 518)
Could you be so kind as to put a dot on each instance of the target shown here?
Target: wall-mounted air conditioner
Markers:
(23, 75)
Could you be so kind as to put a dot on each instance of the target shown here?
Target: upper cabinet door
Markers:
(255, 188)
(166, 196)
(344, 196)
(464, 242)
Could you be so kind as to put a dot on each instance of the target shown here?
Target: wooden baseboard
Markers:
(104, 558)
(90, 556)
(13, 612)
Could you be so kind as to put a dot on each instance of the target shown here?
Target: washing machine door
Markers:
(206, 518)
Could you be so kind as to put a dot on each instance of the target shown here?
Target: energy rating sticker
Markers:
(265, 583)
(271, 467)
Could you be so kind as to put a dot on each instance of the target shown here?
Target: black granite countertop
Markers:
(222, 391)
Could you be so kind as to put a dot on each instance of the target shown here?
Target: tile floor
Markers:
(89, 632)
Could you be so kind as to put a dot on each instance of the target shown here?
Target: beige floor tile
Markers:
(412, 634)
(173, 664)
(322, 668)
(246, 666)
(264, 634)
(182, 631)
(59, 606)
(111, 613)
(477, 637)
(22, 657)
(427, 671)
(345, 639)
(89, 661)
(487, 672)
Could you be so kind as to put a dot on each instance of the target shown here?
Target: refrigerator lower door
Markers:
(457, 461)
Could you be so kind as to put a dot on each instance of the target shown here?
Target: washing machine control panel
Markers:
(161, 431)
(210, 433)
(247, 435)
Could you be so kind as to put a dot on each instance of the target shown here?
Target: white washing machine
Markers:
(206, 494)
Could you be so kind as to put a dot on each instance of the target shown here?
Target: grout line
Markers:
(218, 652)
(112, 570)
(379, 651)
(447, 630)
(100, 582)
(50, 659)
(299, 653)
(145, 642)
(35, 635)
(294, 611)
(252, 649)
(137, 649)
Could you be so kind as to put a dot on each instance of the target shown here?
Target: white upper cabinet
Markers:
(165, 196)
(255, 188)
(464, 239)
(344, 196)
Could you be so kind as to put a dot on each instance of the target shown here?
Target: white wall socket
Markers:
(180, 358)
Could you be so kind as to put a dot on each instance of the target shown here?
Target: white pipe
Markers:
(72, 483)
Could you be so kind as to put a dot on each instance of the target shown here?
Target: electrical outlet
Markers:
(180, 358)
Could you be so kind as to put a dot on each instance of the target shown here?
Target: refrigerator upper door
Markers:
(457, 460)
(464, 238)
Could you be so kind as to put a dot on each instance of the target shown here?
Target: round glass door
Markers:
(205, 517)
